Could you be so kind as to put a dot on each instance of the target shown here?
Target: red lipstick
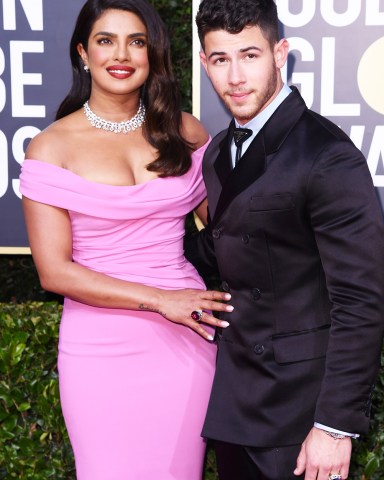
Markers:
(120, 71)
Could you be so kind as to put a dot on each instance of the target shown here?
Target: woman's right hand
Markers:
(178, 305)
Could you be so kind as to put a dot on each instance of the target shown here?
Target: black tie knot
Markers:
(240, 135)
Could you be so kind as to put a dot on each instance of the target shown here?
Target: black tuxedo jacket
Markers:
(298, 236)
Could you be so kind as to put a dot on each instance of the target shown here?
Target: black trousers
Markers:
(235, 462)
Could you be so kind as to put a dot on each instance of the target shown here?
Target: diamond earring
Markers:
(86, 68)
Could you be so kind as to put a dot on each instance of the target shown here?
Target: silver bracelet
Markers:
(335, 436)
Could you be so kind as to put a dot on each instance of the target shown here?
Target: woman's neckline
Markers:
(108, 185)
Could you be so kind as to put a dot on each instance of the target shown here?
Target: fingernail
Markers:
(229, 308)
(210, 338)
(227, 296)
(224, 324)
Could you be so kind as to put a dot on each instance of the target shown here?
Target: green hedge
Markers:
(177, 15)
(34, 443)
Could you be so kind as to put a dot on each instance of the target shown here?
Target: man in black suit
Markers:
(297, 233)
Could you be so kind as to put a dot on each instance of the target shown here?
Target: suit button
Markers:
(259, 349)
(216, 233)
(225, 286)
(245, 238)
(256, 294)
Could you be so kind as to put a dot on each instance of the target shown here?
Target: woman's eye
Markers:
(138, 42)
(103, 41)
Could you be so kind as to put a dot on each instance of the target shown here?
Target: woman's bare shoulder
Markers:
(193, 130)
(51, 144)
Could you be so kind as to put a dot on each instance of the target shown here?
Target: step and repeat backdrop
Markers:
(35, 74)
(336, 61)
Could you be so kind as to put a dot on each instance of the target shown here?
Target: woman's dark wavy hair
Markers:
(160, 93)
(233, 16)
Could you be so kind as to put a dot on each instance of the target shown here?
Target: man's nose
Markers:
(236, 74)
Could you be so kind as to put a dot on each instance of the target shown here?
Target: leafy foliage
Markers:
(34, 442)
(19, 281)
(177, 16)
(368, 456)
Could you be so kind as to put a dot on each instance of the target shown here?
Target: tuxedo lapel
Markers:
(254, 162)
(223, 162)
(250, 167)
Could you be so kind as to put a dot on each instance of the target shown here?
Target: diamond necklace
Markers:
(117, 127)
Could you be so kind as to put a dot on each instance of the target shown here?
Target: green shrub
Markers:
(177, 16)
(368, 456)
(34, 443)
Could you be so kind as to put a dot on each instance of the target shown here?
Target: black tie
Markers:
(240, 135)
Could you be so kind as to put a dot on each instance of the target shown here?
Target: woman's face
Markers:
(117, 54)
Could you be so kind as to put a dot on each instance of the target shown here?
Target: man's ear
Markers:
(281, 52)
(203, 60)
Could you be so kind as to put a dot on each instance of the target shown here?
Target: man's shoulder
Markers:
(327, 126)
(220, 136)
(215, 146)
(218, 139)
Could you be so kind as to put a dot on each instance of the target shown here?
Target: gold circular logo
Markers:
(370, 75)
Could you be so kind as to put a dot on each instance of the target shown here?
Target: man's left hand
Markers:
(321, 456)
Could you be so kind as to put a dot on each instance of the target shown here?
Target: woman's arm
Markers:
(50, 239)
(202, 214)
(193, 131)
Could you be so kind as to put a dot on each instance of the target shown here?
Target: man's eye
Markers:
(219, 61)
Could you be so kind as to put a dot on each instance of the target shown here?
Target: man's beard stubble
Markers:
(261, 99)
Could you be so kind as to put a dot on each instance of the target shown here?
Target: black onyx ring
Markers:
(335, 477)
(197, 315)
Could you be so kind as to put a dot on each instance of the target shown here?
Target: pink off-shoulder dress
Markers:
(134, 386)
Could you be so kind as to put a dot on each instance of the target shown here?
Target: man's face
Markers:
(244, 70)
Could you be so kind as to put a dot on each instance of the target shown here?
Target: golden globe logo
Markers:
(370, 76)
(336, 60)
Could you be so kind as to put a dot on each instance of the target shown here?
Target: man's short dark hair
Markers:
(234, 15)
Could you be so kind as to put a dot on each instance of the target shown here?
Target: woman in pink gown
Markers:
(105, 200)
